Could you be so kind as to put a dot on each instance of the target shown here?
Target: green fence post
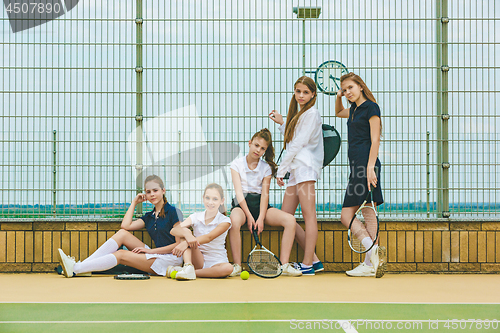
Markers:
(139, 111)
(443, 165)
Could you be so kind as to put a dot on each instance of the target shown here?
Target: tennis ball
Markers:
(244, 275)
(173, 274)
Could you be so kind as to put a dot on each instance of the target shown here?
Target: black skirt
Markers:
(357, 188)
(253, 203)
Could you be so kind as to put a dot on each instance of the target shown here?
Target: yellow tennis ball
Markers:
(244, 275)
(173, 274)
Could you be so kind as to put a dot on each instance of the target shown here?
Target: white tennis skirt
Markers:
(163, 261)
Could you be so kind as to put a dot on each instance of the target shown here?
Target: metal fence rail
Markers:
(98, 98)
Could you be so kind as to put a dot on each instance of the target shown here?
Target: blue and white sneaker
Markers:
(318, 267)
(304, 270)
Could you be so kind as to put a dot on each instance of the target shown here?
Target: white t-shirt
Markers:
(215, 249)
(306, 147)
(251, 180)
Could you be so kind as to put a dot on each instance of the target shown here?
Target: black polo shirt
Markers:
(358, 131)
(159, 227)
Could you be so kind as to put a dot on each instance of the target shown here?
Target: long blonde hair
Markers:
(293, 114)
(269, 154)
(157, 180)
(215, 186)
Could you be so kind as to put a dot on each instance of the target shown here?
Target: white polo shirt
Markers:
(215, 249)
(306, 147)
(251, 180)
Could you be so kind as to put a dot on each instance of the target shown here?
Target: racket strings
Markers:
(264, 263)
(371, 224)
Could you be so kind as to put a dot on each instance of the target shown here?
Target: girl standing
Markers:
(252, 179)
(204, 250)
(304, 160)
(158, 223)
(364, 130)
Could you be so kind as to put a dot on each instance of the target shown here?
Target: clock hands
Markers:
(334, 80)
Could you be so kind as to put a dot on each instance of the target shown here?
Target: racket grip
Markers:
(255, 236)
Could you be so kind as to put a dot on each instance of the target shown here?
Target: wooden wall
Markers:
(434, 246)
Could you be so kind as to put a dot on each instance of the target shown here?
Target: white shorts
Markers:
(210, 261)
(302, 174)
(163, 261)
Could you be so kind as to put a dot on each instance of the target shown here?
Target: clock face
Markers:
(328, 75)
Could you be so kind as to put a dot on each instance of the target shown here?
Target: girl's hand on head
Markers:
(340, 93)
(179, 249)
(141, 250)
(280, 181)
(276, 117)
(140, 198)
(371, 178)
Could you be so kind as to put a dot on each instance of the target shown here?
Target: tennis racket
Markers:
(131, 277)
(263, 262)
(372, 227)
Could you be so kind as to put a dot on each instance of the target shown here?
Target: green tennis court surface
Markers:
(247, 317)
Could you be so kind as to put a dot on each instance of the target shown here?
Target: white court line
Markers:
(252, 302)
(347, 326)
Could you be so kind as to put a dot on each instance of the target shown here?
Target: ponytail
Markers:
(269, 154)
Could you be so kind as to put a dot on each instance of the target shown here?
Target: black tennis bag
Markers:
(331, 145)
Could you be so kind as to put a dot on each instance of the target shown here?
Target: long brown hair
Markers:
(293, 114)
(269, 154)
(222, 208)
(157, 180)
(364, 89)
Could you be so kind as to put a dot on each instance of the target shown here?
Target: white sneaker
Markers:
(186, 273)
(362, 270)
(170, 269)
(288, 270)
(379, 260)
(67, 263)
(236, 270)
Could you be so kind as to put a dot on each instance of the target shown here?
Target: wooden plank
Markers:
(66, 241)
(47, 246)
(38, 249)
(337, 246)
(3, 246)
(84, 245)
(428, 246)
(275, 242)
(101, 238)
(419, 246)
(481, 246)
(392, 246)
(472, 246)
(464, 246)
(490, 246)
(92, 242)
(410, 246)
(28, 246)
(401, 247)
(56, 244)
(437, 252)
(75, 245)
(445, 245)
(20, 246)
(455, 246)
(11, 246)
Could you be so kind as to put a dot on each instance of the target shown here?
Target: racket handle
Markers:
(255, 236)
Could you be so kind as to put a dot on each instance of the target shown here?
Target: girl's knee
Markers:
(226, 269)
(120, 234)
(289, 222)
(120, 255)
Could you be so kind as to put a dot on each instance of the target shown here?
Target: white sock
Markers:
(110, 246)
(99, 264)
(305, 266)
(367, 243)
